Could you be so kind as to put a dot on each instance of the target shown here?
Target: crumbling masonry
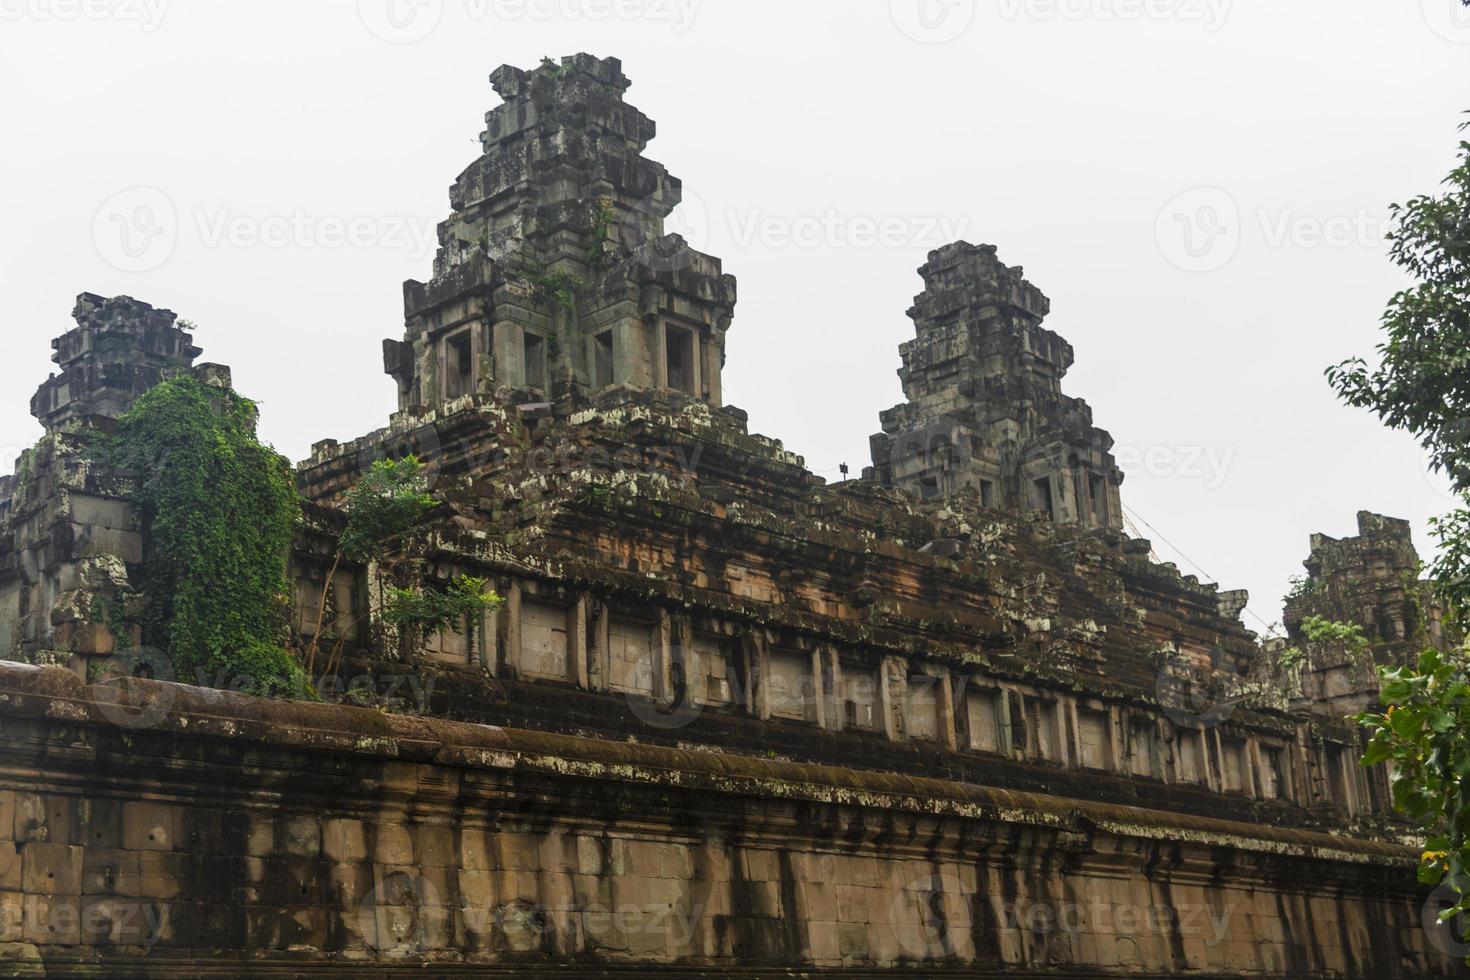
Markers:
(945, 718)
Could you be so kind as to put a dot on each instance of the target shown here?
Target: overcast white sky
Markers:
(1085, 138)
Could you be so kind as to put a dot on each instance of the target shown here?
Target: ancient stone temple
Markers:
(944, 720)
(554, 272)
(985, 407)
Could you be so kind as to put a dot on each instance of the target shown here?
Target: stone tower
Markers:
(119, 349)
(69, 528)
(554, 273)
(985, 408)
(1370, 580)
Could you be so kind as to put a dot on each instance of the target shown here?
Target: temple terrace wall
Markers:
(160, 830)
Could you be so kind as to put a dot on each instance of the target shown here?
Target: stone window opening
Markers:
(860, 697)
(1047, 717)
(679, 359)
(535, 361)
(1273, 773)
(1094, 739)
(1233, 767)
(545, 644)
(790, 689)
(459, 365)
(1143, 749)
(1339, 789)
(1192, 765)
(987, 493)
(1041, 498)
(1097, 489)
(921, 703)
(715, 672)
(987, 721)
(602, 360)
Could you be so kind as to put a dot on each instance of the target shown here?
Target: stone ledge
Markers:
(57, 695)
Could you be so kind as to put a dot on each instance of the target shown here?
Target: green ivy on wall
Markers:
(219, 509)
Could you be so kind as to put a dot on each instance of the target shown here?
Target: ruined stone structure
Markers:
(1371, 581)
(728, 717)
(554, 272)
(985, 407)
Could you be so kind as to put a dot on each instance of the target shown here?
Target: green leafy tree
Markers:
(390, 500)
(424, 612)
(1421, 383)
(218, 510)
(1423, 734)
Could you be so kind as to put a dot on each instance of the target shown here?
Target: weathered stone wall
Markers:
(156, 830)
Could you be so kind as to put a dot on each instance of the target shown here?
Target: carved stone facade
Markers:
(985, 407)
(554, 271)
(119, 349)
(885, 725)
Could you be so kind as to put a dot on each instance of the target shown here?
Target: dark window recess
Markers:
(1041, 496)
(602, 360)
(535, 361)
(679, 346)
(1098, 489)
(459, 365)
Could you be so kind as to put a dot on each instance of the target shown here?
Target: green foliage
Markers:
(1422, 733)
(218, 509)
(602, 222)
(554, 286)
(1422, 381)
(1301, 587)
(429, 611)
(1451, 569)
(111, 611)
(1422, 385)
(392, 498)
(1318, 629)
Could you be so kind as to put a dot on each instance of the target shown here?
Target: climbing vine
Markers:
(219, 509)
(390, 500)
(602, 222)
(424, 612)
(556, 287)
